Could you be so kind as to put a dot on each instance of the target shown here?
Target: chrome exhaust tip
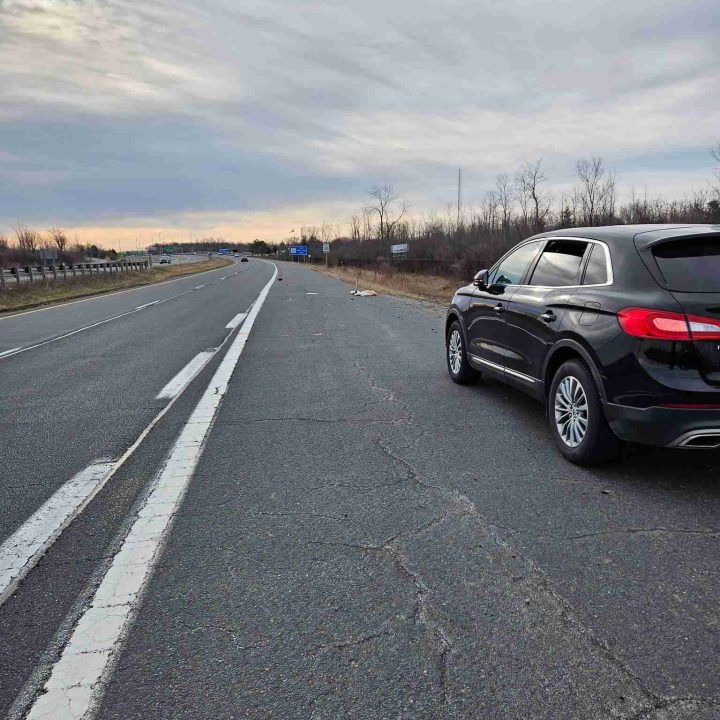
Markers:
(699, 440)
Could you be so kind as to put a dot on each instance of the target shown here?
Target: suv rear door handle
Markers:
(499, 308)
(548, 316)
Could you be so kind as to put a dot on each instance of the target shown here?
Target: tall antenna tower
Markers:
(459, 203)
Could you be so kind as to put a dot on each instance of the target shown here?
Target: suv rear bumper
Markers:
(672, 427)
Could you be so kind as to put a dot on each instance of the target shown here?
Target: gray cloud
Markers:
(115, 109)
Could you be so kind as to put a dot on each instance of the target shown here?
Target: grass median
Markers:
(49, 292)
(431, 288)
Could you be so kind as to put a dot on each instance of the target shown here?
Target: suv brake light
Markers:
(662, 325)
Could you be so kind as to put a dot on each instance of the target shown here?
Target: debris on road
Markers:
(363, 293)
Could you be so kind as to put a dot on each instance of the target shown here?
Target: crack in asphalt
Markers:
(708, 532)
(537, 576)
(329, 421)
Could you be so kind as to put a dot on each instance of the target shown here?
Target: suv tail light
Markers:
(663, 325)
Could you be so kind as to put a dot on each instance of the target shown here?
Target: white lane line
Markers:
(105, 295)
(7, 590)
(68, 334)
(79, 675)
(199, 287)
(236, 321)
(185, 376)
(21, 551)
(17, 351)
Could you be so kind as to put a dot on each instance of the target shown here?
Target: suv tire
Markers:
(458, 366)
(577, 419)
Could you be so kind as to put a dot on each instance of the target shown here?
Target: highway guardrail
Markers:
(64, 271)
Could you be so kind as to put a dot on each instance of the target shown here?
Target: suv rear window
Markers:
(596, 270)
(690, 264)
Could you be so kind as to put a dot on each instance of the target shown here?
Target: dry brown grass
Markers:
(418, 287)
(47, 293)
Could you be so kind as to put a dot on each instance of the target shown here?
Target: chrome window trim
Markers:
(608, 263)
(502, 368)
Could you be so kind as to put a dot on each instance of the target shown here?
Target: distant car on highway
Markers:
(236, 254)
(616, 330)
(165, 259)
(243, 259)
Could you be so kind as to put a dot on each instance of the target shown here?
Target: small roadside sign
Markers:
(400, 249)
(326, 247)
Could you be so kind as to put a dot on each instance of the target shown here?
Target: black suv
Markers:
(616, 329)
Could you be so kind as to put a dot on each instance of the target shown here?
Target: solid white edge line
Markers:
(78, 677)
(185, 376)
(12, 351)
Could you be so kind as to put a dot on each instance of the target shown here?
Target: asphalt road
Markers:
(360, 538)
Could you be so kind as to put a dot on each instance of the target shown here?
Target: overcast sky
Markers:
(123, 119)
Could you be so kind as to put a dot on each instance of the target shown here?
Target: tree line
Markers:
(458, 242)
(29, 245)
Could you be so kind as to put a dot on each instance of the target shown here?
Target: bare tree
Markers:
(504, 191)
(383, 204)
(596, 190)
(60, 239)
(715, 153)
(27, 239)
(326, 232)
(489, 209)
(534, 199)
(355, 227)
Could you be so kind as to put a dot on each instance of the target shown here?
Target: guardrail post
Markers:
(30, 272)
(42, 271)
(74, 271)
(64, 269)
(54, 271)
(17, 275)
(2, 278)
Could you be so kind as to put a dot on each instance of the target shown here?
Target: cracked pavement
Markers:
(366, 540)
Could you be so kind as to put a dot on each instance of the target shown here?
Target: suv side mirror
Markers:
(480, 279)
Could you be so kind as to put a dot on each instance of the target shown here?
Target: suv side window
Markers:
(596, 271)
(512, 269)
(560, 264)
